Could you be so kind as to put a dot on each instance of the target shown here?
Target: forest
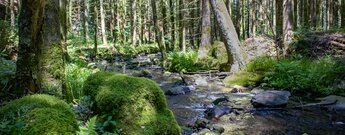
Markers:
(172, 67)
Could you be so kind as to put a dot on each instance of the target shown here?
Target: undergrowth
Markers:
(184, 61)
(319, 76)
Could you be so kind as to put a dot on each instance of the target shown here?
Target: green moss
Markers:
(39, 114)
(137, 104)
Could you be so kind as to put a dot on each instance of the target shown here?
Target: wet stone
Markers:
(271, 99)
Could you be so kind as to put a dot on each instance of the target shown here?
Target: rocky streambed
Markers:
(202, 104)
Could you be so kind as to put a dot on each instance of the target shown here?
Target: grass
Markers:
(319, 76)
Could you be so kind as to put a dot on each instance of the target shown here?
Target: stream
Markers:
(191, 106)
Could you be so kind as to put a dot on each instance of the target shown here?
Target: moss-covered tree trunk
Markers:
(235, 54)
(205, 45)
(40, 65)
(287, 25)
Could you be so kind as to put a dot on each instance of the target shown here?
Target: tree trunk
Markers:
(229, 35)
(104, 35)
(205, 45)
(279, 22)
(157, 31)
(134, 22)
(173, 24)
(342, 25)
(12, 15)
(40, 65)
(287, 26)
(182, 30)
(95, 27)
(85, 20)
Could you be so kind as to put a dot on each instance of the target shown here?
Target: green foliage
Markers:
(144, 48)
(75, 78)
(8, 40)
(89, 128)
(83, 108)
(106, 125)
(37, 114)
(184, 61)
(137, 104)
(319, 76)
(7, 70)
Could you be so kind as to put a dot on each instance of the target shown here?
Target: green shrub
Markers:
(304, 75)
(137, 104)
(37, 114)
(7, 71)
(75, 78)
(184, 61)
(319, 76)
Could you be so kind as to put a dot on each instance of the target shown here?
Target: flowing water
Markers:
(189, 107)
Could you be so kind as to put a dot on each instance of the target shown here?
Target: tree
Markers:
(85, 18)
(205, 45)
(342, 25)
(279, 22)
(235, 54)
(40, 65)
(157, 31)
(287, 25)
(104, 35)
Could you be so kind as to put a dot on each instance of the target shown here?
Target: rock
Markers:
(143, 73)
(195, 80)
(257, 91)
(201, 123)
(270, 99)
(217, 111)
(205, 132)
(201, 81)
(220, 100)
(218, 129)
(339, 105)
(179, 90)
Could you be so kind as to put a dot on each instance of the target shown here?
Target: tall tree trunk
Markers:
(173, 25)
(182, 28)
(342, 14)
(205, 45)
(235, 54)
(40, 65)
(157, 31)
(12, 15)
(238, 17)
(287, 26)
(104, 35)
(279, 22)
(134, 22)
(85, 20)
(95, 27)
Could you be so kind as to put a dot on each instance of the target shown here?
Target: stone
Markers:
(271, 99)
(201, 123)
(339, 105)
(217, 111)
(218, 129)
(179, 90)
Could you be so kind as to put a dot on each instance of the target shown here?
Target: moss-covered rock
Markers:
(38, 114)
(137, 104)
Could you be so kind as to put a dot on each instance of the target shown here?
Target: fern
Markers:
(90, 127)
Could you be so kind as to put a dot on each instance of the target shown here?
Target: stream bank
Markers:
(190, 97)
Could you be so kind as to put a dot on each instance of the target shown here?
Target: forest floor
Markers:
(191, 97)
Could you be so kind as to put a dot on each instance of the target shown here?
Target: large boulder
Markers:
(137, 104)
(179, 90)
(337, 103)
(38, 115)
(270, 99)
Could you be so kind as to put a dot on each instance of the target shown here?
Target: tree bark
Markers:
(134, 22)
(104, 35)
(287, 26)
(229, 34)
(158, 35)
(12, 15)
(173, 25)
(205, 45)
(40, 65)
(95, 27)
(85, 20)
(342, 25)
(279, 22)
(182, 28)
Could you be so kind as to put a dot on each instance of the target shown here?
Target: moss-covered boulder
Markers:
(38, 115)
(137, 104)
